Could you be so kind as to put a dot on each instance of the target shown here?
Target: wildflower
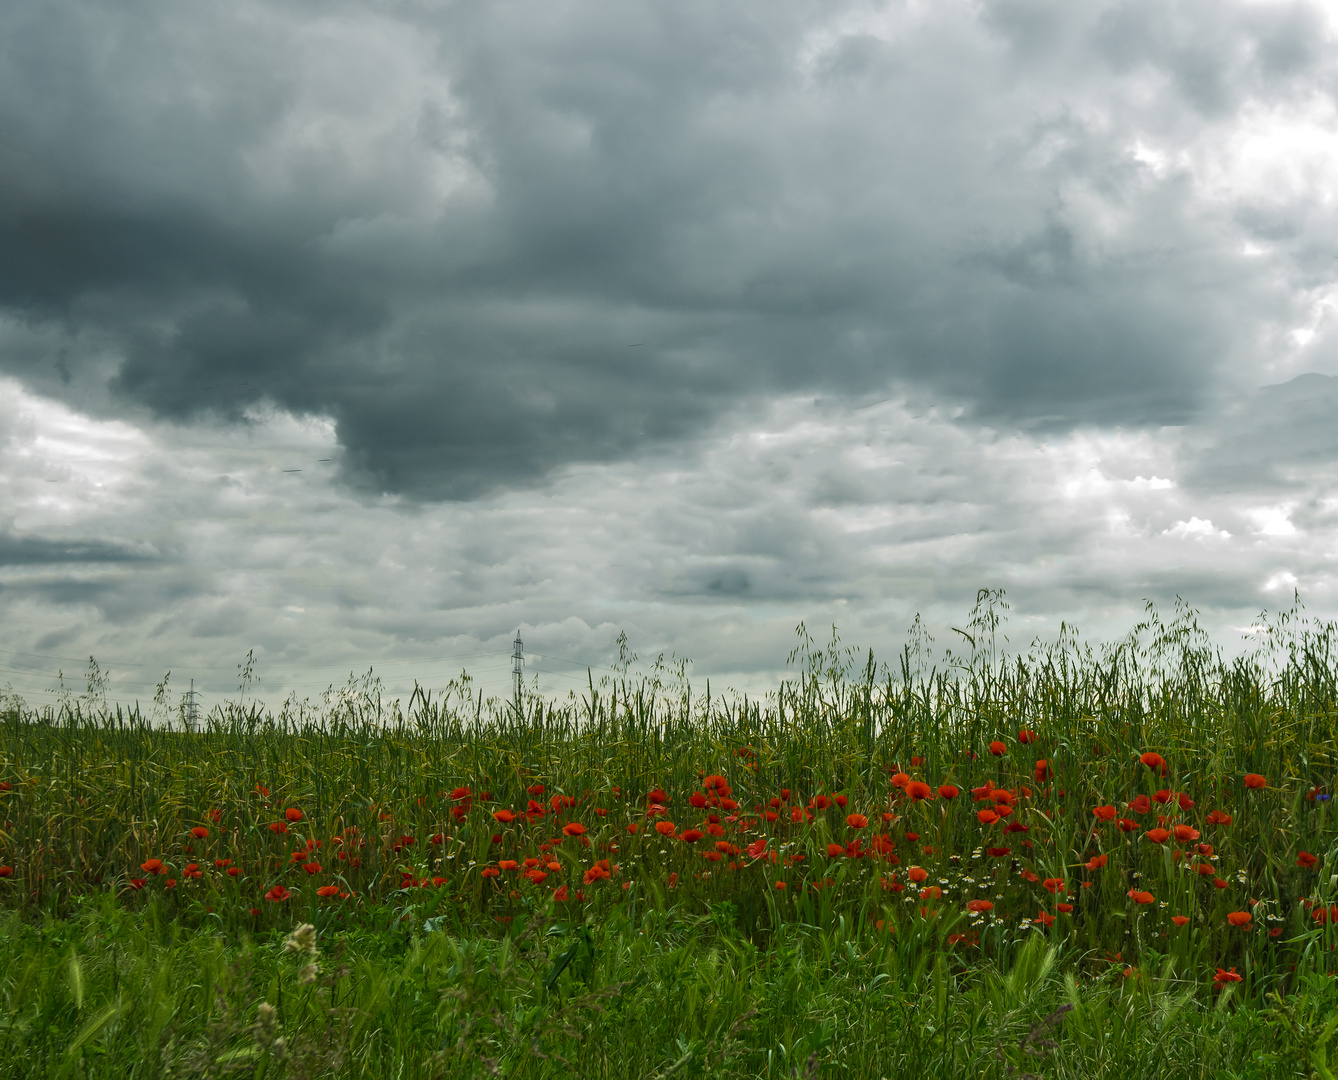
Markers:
(1239, 918)
(278, 826)
(1306, 860)
(919, 790)
(1044, 919)
(691, 836)
(1254, 781)
(997, 852)
(997, 748)
(986, 817)
(1054, 885)
(841, 801)
(506, 817)
(1158, 836)
(302, 940)
(979, 907)
(857, 821)
(1217, 817)
(293, 814)
(1141, 805)
(1026, 735)
(664, 828)
(1163, 796)
(278, 894)
(192, 870)
(199, 832)
(220, 863)
(947, 791)
(1180, 920)
(152, 866)
(917, 874)
(575, 828)
(1127, 824)
(135, 883)
(1042, 772)
(1184, 801)
(1064, 908)
(835, 851)
(233, 871)
(490, 872)
(1141, 897)
(673, 880)
(1104, 813)
(1224, 977)
(780, 886)
(1154, 761)
(560, 893)
(1186, 832)
(1097, 861)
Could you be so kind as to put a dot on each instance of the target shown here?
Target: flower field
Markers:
(1152, 824)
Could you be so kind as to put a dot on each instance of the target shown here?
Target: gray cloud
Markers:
(488, 241)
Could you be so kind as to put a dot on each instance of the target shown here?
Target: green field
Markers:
(1064, 861)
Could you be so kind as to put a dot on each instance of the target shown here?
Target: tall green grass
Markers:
(694, 968)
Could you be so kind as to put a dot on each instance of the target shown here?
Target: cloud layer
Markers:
(365, 333)
(487, 240)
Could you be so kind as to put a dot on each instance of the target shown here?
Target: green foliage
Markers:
(806, 948)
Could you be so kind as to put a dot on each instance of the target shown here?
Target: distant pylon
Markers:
(517, 666)
(192, 708)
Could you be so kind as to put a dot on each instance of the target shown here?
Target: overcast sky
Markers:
(364, 334)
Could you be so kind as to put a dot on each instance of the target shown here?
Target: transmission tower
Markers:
(517, 666)
(192, 709)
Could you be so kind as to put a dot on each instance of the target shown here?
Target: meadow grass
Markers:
(975, 868)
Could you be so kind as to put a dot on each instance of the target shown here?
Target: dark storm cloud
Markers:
(37, 551)
(491, 239)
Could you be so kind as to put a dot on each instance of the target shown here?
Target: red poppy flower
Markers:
(1127, 824)
(1054, 885)
(691, 836)
(293, 814)
(986, 817)
(1154, 761)
(931, 892)
(1140, 897)
(1306, 860)
(820, 802)
(841, 801)
(657, 796)
(135, 883)
(575, 828)
(780, 886)
(1163, 796)
(1042, 771)
(1065, 908)
(1097, 861)
(1254, 781)
(835, 851)
(1044, 919)
(1224, 977)
(1180, 920)
(1239, 918)
(1184, 801)
(857, 821)
(1322, 914)
(1158, 836)
(278, 894)
(1104, 813)
(560, 893)
(997, 852)
(1186, 832)
(947, 791)
(918, 790)
(1026, 735)
(506, 817)
(328, 890)
(278, 826)
(199, 832)
(979, 907)
(1141, 805)
(664, 828)
(997, 748)
(233, 871)
(490, 872)
(1219, 883)
(152, 866)
(917, 874)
